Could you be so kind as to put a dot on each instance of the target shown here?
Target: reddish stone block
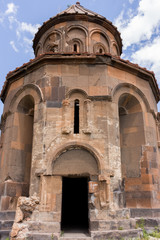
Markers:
(147, 178)
(133, 181)
(145, 164)
(93, 187)
(143, 170)
(144, 203)
(131, 203)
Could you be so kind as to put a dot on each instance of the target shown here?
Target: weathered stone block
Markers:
(49, 227)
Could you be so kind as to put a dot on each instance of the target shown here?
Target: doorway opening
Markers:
(74, 205)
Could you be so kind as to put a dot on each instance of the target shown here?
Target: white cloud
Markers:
(140, 31)
(141, 26)
(13, 46)
(27, 27)
(149, 56)
(24, 31)
(28, 44)
(131, 1)
(11, 9)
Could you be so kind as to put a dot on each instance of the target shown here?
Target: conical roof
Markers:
(77, 8)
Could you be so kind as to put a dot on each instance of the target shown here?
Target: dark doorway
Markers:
(74, 204)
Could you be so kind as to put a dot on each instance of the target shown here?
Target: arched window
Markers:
(75, 47)
(76, 116)
(100, 50)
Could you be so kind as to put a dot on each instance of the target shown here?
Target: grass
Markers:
(155, 233)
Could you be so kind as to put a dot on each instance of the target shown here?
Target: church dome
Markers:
(78, 30)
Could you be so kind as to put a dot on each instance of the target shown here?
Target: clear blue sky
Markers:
(137, 20)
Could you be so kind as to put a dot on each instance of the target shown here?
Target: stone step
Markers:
(44, 227)
(48, 236)
(6, 225)
(7, 215)
(103, 225)
(148, 222)
(41, 236)
(144, 213)
(4, 234)
(75, 235)
(116, 234)
(124, 224)
(75, 238)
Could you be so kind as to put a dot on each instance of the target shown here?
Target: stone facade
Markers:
(78, 114)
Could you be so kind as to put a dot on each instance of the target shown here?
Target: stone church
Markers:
(80, 137)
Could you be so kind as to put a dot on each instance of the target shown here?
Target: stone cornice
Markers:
(70, 58)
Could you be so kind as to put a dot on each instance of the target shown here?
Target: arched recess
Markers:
(77, 35)
(132, 89)
(76, 45)
(99, 48)
(76, 91)
(132, 105)
(99, 39)
(77, 115)
(24, 121)
(28, 89)
(114, 49)
(77, 162)
(53, 42)
(76, 112)
(132, 135)
(23, 109)
(74, 158)
(39, 49)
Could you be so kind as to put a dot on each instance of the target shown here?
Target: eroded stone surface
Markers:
(79, 111)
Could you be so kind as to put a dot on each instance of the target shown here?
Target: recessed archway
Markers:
(77, 166)
(25, 118)
(132, 135)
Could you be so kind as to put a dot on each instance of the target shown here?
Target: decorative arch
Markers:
(132, 134)
(132, 89)
(52, 41)
(100, 31)
(99, 48)
(78, 26)
(72, 38)
(53, 154)
(28, 89)
(115, 49)
(131, 107)
(38, 49)
(76, 90)
(76, 112)
(78, 43)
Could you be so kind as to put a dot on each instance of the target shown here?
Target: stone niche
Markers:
(75, 162)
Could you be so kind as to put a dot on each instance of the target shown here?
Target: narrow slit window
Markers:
(100, 50)
(75, 47)
(76, 116)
